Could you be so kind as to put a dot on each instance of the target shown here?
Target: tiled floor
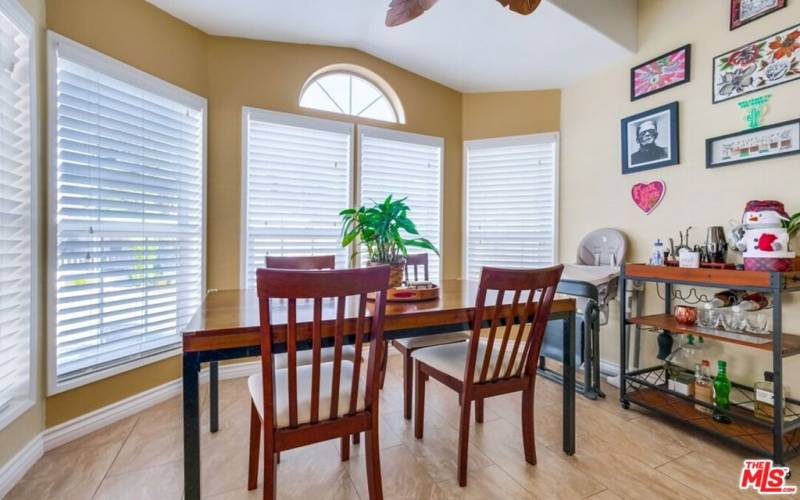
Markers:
(620, 454)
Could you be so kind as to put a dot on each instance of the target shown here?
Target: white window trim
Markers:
(426, 140)
(362, 72)
(294, 121)
(26, 23)
(124, 72)
(516, 140)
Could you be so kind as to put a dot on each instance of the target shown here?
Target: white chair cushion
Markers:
(305, 356)
(254, 383)
(452, 359)
(432, 340)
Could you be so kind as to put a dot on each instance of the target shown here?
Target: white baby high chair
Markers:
(593, 280)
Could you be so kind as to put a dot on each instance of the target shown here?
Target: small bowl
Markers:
(686, 315)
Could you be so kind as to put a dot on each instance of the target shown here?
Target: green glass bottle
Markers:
(722, 392)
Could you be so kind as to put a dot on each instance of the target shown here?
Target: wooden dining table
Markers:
(226, 326)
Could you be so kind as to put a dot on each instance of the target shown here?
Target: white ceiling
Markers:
(468, 45)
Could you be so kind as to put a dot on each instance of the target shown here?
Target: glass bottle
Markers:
(680, 359)
(722, 392)
(657, 257)
(725, 298)
(764, 406)
(754, 302)
(702, 386)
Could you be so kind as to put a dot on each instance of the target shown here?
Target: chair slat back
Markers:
(322, 288)
(520, 325)
(301, 262)
(413, 263)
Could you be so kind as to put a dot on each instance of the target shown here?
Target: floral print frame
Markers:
(765, 63)
(661, 73)
(747, 11)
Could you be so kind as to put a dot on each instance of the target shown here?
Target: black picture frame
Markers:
(687, 48)
(714, 99)
(673, 140)
(710, 145)
(736, 22)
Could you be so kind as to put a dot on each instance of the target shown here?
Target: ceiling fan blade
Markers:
(523, 7)
(403, 11)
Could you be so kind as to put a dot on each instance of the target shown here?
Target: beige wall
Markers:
(138, 34)
(233, 73)
(594, 194)
(501, 114)
(21, 431)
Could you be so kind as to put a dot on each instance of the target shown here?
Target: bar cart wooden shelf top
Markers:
(779, 438)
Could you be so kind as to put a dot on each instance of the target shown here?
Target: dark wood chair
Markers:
(479, 369)
(304, 404)
(409, 345)
(316, 262)
(413, 263)
(308, 263)
(312, 262)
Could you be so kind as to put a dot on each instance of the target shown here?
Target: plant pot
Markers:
(396, 271)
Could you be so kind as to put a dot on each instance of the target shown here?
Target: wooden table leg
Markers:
(569, 385)
(191, 426)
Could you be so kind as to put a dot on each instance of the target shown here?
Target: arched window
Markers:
(352, 90)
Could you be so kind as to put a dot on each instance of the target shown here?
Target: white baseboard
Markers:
(102, 417)
(51, 438)
(609, 368)
(90, 422)
(15, 469)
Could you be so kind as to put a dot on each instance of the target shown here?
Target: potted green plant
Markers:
(385, 231)
(792, 225)
(793, 228)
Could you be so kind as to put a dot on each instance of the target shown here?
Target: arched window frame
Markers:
(365, 74)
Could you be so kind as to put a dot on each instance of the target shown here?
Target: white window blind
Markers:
(405, 166)
(17, 210)
(295, 181)
(511, 202)
(129, 194)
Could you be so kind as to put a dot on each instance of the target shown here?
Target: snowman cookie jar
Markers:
(763, 239)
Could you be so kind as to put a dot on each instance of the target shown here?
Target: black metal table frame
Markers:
(776, 288)
(192, 362)
(590, 387)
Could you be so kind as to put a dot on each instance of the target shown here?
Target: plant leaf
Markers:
(422, 243)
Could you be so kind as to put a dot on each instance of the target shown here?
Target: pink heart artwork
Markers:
(648, 196)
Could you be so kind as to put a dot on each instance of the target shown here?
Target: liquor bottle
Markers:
(722, 392)
(725, 298)
(753, 302)
(702, 386)
(764, 407)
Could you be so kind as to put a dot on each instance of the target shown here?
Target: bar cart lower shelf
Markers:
(778, 438)
(648, 388)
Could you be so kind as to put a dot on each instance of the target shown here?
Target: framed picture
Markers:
(650, 139)
(744, 11)
(770, 141)
(765, 63)
(663, 72)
